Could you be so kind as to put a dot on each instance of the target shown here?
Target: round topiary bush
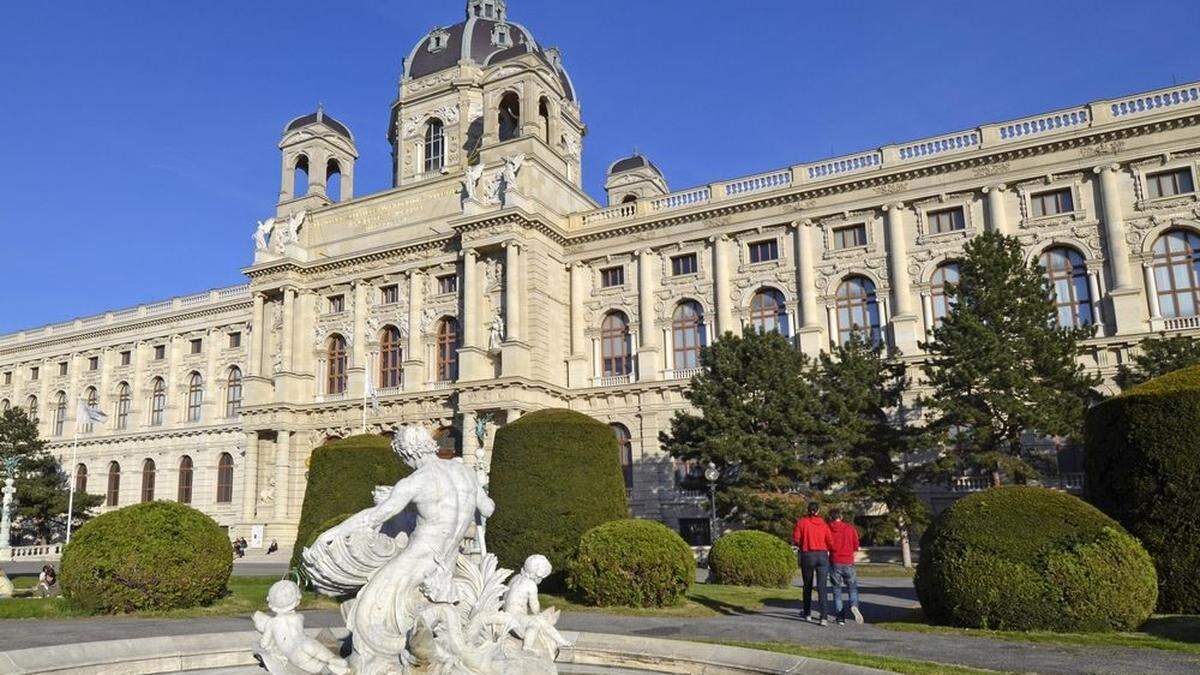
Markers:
(1026, 558)
(342, 476)
(632, 563)
(555, 474)
(1143, 466)
(157, 555)
(752, 558)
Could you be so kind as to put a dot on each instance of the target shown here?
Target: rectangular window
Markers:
(1170, 183)
(126, 358)
(850, 236)
(160, 352)
(235, 340)
(337, 304)
(683, 264)
(93, 363)
(448, 283)
(1052, 203)
(764, 251)
(611, 277)
(947, 220)
(8, 378)
(197, 346)
(34, 372)
(389, 295)
(63, 368)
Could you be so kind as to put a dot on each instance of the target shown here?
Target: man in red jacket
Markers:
(815, 540)
(845, 543)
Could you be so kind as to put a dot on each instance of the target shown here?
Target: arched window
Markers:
(687, 334)
(300, 177)
(225, 478)
(184, 493)
(158, 401)
(390, 358)
(1068, 279)
(81, 478)
(629, 199)
(335, 358)
(509, 117)
(333, 180)
(857, 309)
(447, 439)
(768, 311)
(195, 397)
(615, 352)
(113, 497)
(31, 407)
(60, 413)
(233, 392)
(544, 117)
(435, 145)
(447, 350)
(148, 470)
(625, 452)
(946, 273)
(124, 402)
(1177, 273)
(93, 400)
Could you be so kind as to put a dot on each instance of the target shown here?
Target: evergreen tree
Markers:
(40, 506)
(998, 364)
(1159, 356)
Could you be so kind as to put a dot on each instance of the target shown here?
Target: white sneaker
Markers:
(857, 614)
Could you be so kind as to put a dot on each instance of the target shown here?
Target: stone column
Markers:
(512, 291)
(171, 415)
(1094, 289)
(904, 321)
(1124, 294)
(285, 333)
(1151, 291)
(471, 357)
(648, 347)
(210, 409)
(357, 371)
(809, 330)
(720, 245)
(107, 403)
(997, 219)
(283, 473)
(577, 362)
(470, 444)
(250, 479)
(257, 332)
(414, 363)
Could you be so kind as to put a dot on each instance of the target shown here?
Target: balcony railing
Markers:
(1178, 323)
(681, 373)
(612, 380)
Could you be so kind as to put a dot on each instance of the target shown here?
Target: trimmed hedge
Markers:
(152, 556)
(752, 558)
(342, 476)
(1143, 469)
(1028, 558)
(632, 563)
(555, 474)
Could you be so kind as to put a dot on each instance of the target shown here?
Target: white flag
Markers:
(86, 414)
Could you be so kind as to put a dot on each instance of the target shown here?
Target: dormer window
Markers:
(486, 9)
(501, 36)
(438, 40)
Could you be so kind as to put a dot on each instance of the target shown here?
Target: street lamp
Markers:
(711, 474)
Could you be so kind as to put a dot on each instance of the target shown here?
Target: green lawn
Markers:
(878, 570)
(890, 663)
(1177, 633)
(702, 600)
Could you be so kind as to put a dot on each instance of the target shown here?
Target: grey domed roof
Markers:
(472, 40)
(632, 163)
(319, 116)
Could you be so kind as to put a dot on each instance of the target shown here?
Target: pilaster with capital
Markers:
(471, 357)
(414, 365)
(578, 369)
(1124, 294)
(250, 478)
(809, 332)
(903, 319)
(257, 331)
(283, 473)
(723, 301)
(647, 356)
(515, 359)
(997, 219)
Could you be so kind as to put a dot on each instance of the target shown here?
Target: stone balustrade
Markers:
(35, 553)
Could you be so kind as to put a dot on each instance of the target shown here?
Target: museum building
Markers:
(486, 283)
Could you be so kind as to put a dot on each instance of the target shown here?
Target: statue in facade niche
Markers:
(471, 181)
(421, 605)
(283, 646)
(512, 167)
(262, 232)
(496, 333)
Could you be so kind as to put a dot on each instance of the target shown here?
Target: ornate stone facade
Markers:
(498, 273)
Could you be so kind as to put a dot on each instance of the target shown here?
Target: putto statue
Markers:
(283, 647)
(262, 232)
(422, 606)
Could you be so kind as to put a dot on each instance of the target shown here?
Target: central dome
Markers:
(485, 38)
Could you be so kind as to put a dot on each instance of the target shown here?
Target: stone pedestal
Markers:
(647, 364)
(810, 339)
(514, 358)
(1128, 307)
(579, 371)
(904, 333)
(473, 364)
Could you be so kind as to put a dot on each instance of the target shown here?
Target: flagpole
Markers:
(366, 388)
(71, 486)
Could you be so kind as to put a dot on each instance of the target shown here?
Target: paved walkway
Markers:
(778, 622)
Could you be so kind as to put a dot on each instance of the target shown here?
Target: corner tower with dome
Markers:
(485, 283)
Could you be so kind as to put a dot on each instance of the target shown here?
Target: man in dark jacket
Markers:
(813, 537)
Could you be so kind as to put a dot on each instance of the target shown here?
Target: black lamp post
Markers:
(711, 474)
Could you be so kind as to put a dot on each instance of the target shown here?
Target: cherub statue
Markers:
(534, 626)
(512, 166)
(491, 191)
(471, 181)
(283, 647)
(262, 232)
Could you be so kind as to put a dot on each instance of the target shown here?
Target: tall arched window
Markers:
(184, 494)
(447, 350)
(1177, 273)
(544, 118)
(946, 273)
(31, 408)
(335, 358)
(687, 334)
(1068, 279)
(390, 358)
(148, 471)
(93, 401)
(60, 413)
(300, 177)
(225, 478)
(768, 311)
(233, 392)
(615, 352)
(333, 180)
(509, 117)
(158, 401)
(113, 496)
(625, 450)
(858, 309)
(124, 402)
(195, 397)
(81, 478)
(435, 145)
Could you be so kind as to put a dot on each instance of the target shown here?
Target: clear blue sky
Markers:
(139, 136)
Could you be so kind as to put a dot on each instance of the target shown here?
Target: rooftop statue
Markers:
(422, 606)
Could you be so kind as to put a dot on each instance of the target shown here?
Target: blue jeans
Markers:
(847, 576)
